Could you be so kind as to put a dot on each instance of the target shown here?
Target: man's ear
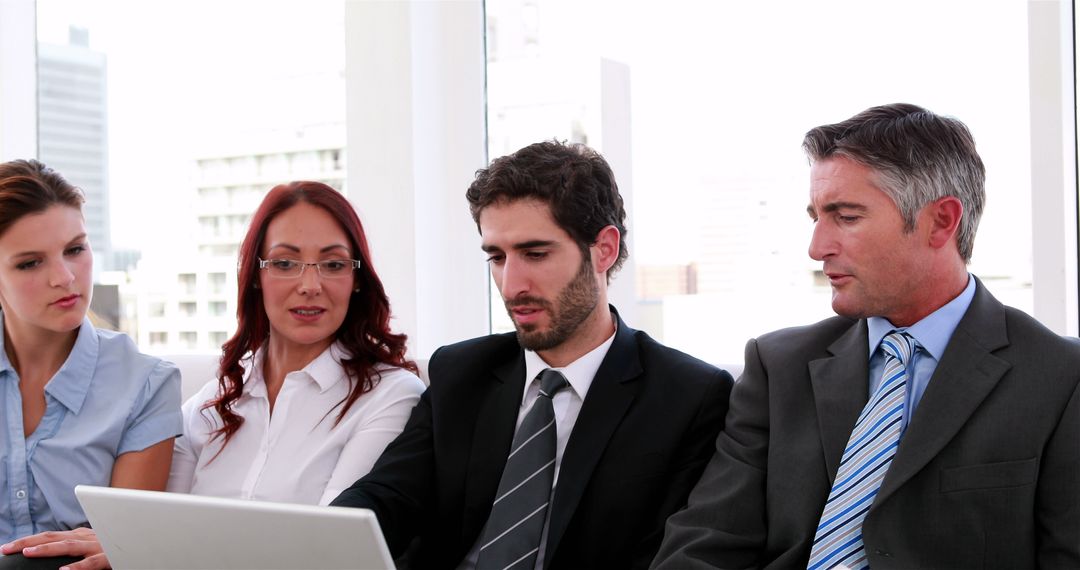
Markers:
(605, 250)
(943, 215)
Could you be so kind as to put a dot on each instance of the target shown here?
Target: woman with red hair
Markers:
(313, 385)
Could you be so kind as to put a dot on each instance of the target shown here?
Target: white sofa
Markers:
(195, 370)
(198, 369)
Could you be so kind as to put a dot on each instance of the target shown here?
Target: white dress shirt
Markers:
(298, 454)
(566, 404)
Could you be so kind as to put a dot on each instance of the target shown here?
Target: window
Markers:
(188, 308)
(186, 282)
(689, 74)
(159, 339)
(121, 106)
(209, 226)
(703, 124)
(217, 283)
(157, 309)
(188, 339)
(217, 308)
(218, 338)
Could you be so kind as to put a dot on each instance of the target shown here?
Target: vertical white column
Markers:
(615, 144)
(18, 80)
(415, 138)
(1053, 164)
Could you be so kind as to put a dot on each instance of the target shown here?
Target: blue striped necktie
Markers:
(838, 540)
(511, 537)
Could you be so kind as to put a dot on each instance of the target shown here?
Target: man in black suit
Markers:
(633, 424)
(928, 426)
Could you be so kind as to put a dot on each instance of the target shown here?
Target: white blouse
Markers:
(296, 455)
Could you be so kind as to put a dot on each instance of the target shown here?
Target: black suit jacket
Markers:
(987, 474)
(641, 440)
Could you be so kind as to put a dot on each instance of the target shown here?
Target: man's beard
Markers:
(574, 304)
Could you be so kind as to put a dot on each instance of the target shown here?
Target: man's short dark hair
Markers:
(573, 179)
(918, 157)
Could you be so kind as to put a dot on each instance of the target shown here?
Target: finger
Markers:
(47, 537)
(32, 540)
(95, 562)
(67, 547)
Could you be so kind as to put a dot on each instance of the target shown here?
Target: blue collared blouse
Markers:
(106, 400)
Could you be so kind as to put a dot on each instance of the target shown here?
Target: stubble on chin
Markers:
(572, 307)
(529, 334)
(532, 337)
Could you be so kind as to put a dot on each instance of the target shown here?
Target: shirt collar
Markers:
(326, 370)
(934, 330)
(579, 373)
(71, 383)
(5, 364)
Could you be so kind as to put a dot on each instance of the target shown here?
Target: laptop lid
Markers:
(172, 531)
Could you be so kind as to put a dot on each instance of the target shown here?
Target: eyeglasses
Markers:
(291, 269)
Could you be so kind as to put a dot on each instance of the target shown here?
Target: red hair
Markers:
(365, 333)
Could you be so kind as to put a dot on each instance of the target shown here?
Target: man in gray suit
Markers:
(927, 426)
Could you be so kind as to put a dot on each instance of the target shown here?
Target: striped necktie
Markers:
(511, 537)
(838, 540)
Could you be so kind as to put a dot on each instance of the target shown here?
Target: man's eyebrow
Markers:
(531, 244)
(834, 206)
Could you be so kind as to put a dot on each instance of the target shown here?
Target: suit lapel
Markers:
(962, 380)
(840, 391)
(611, 393)
(492, 437)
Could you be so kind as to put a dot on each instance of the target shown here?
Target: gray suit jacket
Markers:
(986, 476)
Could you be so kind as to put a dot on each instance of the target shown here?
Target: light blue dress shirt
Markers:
(107, 399)
(932, 333)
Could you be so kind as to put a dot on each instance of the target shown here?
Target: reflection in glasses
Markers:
(291, 268)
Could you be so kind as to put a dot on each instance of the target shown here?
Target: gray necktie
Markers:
(512, 534)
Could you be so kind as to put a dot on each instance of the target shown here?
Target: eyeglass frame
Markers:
(264, 264)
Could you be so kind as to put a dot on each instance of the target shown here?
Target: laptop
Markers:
(172, 531)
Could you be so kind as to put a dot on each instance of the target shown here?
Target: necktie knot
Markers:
(898, 345)
(551, 381)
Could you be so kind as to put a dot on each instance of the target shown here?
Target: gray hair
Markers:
(918, 157)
